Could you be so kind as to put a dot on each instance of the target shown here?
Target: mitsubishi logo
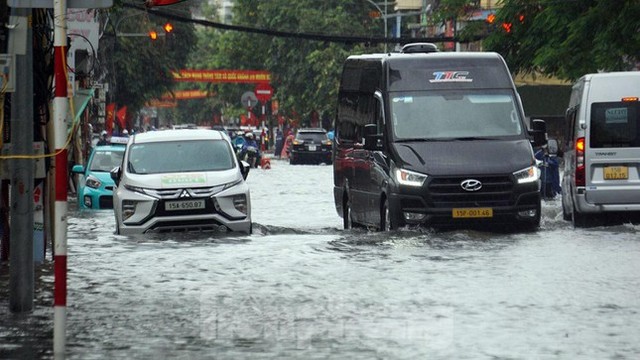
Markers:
(471, 185)
(185, 194)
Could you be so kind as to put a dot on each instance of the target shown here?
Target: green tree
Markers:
(568, 39)
(138, 68)
(305, 73)
(563, 39)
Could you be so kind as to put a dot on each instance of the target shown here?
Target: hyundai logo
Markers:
(471, 185)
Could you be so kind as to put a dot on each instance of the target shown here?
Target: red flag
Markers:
(122, 117)
(108, 122)
(243, 120)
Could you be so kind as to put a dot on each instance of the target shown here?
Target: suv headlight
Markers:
(410, 178)
(128, 209)
(528, 175)
(93, 182)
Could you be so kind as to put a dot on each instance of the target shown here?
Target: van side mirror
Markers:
(372, 140)
(115, 175)
(539, 132)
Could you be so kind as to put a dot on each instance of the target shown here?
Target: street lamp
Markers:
(384, 17)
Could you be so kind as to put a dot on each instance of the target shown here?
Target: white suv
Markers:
(181, 180)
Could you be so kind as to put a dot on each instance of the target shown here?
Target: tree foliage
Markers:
(305, 73)
(139, 69)
(568, 39)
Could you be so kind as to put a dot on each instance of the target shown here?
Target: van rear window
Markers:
(615, 124)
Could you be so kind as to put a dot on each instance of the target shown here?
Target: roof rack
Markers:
(412, 48)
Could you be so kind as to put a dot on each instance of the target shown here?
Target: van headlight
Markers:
(528, 175)
(410, 178)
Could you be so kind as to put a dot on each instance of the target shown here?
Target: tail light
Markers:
(580, 166)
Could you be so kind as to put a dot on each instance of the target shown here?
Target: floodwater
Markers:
(301, 287)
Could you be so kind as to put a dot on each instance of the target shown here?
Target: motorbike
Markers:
(250, 155)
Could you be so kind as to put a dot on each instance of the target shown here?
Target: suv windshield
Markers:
(180, 156)
(615, 124)
(454, 114)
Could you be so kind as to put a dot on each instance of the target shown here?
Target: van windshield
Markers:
(615, 124)
(454, 114)
(180, 156)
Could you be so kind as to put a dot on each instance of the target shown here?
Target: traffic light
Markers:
(168, 28)
(153, 35)
(507, 26)
(491, 18)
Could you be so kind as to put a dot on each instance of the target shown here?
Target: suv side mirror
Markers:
(244, 169)
(539, 132)
(115, 175)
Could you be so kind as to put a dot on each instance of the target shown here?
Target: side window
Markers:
(346, 119)
(366, 114)
(379, 116)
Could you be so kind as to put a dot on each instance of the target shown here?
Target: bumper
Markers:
(308, 156)
(411, 209)
(583, 206)
(203, 223)
(95, 199)
(148, 214)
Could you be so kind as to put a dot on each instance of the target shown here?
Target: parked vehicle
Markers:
(95, 186)
(429, 138)
(310, 146)
(602, 156)
(181, 180)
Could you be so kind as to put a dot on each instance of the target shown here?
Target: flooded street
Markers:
(301, 287)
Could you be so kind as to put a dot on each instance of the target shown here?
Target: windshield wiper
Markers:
(470, 138)
(420, 140)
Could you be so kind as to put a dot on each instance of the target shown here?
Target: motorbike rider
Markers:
(250, 141)
(103, 138)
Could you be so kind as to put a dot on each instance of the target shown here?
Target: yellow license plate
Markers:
(472, 213)
(616, 173)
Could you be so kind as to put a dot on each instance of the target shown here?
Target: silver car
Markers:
(181, 180)
(602, 156)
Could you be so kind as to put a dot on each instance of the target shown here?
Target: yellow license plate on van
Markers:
(616, 173)
(463, 213)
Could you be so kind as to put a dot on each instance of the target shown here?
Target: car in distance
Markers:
(181, 181)
(95, 186)
(311, 146)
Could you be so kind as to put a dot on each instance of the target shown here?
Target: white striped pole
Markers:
(60, 208)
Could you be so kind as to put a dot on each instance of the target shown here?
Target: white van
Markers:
(602, 149)
(181, 180)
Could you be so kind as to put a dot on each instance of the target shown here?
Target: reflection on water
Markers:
(301, 287)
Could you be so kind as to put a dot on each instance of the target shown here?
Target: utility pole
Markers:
(21, 278)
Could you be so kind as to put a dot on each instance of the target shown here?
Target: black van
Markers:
(433, 138)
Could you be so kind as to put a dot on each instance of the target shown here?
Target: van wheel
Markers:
(386, 222)
(566, 216)
(579, 220)
(347, 222)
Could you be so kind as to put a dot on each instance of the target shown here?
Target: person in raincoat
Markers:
(287, 145)
(550, 170)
